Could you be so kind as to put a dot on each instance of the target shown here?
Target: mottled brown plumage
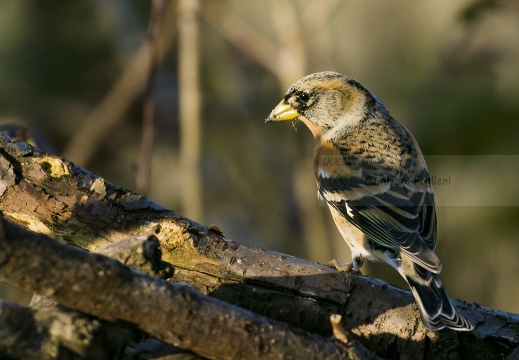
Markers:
(371, 172)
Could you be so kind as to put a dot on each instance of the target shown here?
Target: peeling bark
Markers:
(52, 196)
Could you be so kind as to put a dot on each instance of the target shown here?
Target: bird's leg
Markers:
(357, 263)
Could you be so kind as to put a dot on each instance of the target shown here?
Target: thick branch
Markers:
(53, 332)
(50, 195)
(46, 330)
(107, 289)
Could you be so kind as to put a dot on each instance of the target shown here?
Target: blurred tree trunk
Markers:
(291, 55)
(144, 161)
(292, 65)
(190, 108)
(52, 196)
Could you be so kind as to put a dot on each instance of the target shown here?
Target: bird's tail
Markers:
(435, 307)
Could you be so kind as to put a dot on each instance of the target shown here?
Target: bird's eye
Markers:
(303, 96)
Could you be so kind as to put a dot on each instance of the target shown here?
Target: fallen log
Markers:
(49, 195)
(176, 313)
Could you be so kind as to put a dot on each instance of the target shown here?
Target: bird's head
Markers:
(325, 102)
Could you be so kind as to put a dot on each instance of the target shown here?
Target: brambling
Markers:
(373, 177)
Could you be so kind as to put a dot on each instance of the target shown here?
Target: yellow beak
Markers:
(282, 112)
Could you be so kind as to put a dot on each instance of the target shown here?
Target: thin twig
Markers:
(240, 34)
(109, 113)
(338, 330)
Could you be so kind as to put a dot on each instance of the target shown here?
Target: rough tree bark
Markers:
(52, 196)
(99, 286)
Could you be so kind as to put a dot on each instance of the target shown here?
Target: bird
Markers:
(371, 173)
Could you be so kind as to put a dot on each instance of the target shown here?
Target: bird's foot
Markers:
(347, 267)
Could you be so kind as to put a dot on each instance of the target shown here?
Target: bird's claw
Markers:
(347, 267)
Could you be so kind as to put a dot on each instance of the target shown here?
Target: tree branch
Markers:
(53, 332)
(49, 195)
(46, 330)
(105, 288)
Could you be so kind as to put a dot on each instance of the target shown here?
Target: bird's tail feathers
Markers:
(436, 309)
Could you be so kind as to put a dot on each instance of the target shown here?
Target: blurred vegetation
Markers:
(449, 71)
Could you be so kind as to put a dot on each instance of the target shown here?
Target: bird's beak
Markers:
(282, 112)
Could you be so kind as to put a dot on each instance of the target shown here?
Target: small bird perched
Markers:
(372, 174)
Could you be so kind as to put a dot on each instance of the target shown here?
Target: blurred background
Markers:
(168, 98)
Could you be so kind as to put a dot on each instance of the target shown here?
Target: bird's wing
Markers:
(396, 215)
